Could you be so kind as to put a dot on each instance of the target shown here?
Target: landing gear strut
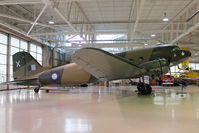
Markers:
(36, 90)
(144, 89)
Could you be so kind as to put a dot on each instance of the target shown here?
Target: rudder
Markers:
(25, 66)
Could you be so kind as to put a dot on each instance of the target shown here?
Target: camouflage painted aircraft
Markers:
(91, 65)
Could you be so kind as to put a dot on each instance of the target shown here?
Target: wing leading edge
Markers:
(106, 66)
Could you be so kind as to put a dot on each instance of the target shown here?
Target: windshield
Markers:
(176, 48)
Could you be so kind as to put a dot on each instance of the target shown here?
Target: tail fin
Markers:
(25, 66)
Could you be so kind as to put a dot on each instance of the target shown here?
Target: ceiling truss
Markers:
(136, 19)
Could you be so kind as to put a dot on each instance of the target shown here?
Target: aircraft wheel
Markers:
(84, 85)
(36, 90)
(144, 89)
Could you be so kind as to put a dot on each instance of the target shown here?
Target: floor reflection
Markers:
(77, 125)
(18, 96)
(169, 97)
(100, 109)
(170, 104)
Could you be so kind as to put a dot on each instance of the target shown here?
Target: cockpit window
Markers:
(176, 48)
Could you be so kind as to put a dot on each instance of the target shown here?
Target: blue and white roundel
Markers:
(54, 76)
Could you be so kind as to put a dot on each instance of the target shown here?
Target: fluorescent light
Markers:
(153, 35)
(79, 45)
(165, 18)
(51, 22)
(145, 44)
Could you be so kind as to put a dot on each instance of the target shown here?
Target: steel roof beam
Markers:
(185, 13)
(134, 27)
(12, 27)
(70, 24)
(186, 33)
(92, 32)
(15, 2)
(35, 22)
(28, 21)
(84, 14)
(182, 11)
(105, 32)
(155, 22)
(65, 19)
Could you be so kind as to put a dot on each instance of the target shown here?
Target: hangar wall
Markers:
(11, 44)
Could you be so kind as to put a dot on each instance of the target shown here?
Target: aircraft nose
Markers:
(187, 53)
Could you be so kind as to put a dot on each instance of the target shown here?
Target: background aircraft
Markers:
(91, 65)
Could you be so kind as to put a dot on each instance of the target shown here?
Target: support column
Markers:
(46, 56)
(28, 47)
(8, 58)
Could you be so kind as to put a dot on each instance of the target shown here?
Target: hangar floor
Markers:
(100, 110)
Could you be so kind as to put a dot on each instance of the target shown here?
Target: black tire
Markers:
(144, 89)
(148, 89)
(36, 90)
(84, 85)
(140, 87)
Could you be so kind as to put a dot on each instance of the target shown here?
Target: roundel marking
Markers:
(54, 76)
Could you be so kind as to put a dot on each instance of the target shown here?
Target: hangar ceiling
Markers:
(131, 21)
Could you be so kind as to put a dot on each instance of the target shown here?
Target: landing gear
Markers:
(36, 90)
(84, 85)
(144, 89)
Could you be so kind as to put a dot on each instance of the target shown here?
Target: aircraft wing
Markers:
(33, 80)
(106, 66)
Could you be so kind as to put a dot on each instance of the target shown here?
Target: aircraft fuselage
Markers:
(71, 74)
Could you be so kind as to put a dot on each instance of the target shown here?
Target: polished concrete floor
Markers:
(100, 110)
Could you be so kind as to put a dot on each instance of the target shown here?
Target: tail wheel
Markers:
(84, 85)
(36, 90)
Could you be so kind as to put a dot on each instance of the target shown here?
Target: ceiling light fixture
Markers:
(51, 21)
(165, 18)
(153, 35)
(146, 44)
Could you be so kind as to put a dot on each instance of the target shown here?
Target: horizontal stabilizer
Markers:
(33, 81)
(106, 66)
